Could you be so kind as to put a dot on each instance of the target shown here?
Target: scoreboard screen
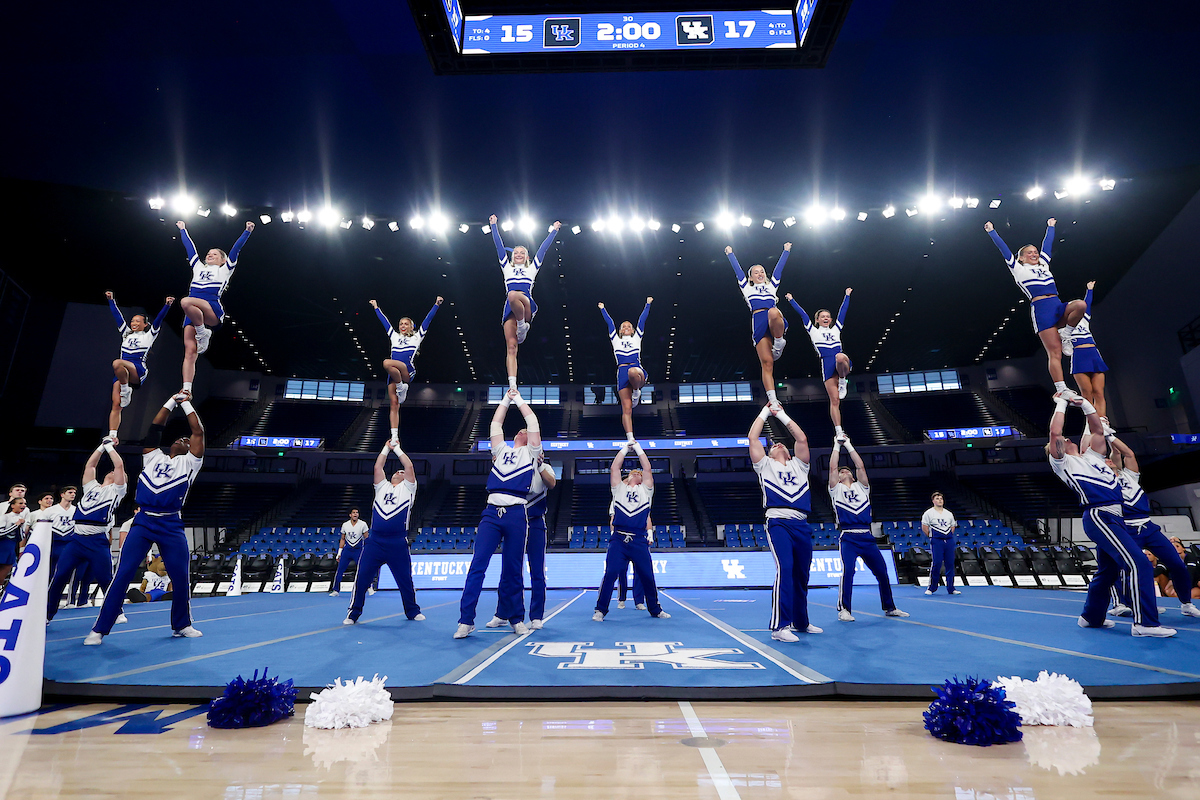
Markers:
(637, 31)
(454, 19)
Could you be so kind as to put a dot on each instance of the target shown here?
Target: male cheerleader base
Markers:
(629, 542)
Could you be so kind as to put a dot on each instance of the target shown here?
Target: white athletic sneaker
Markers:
(620, 604)
(1190, 610)
(93, 638)
(370, 590)
(1109, 430)
(956, 591)
(1121, 610)
(122, 619)
(520, 628)
(419, 618)
(348, 621)
(1158, 631)
(126, 394)
(843, 385)
(401, 392)
(784, 635)
(535, 624)
(895, 612)
(637, 396)
(187, 633)
(203, 335)
(1065, 333)
(334, 593)
(1108, 623)
(777, 348)
(662, 615)
(929, 591)
(597, 616)
(464, 630)
(814, 629)
(522, 331)
(496, 622)
(1067, 394)
(845, 616)
(641, 606)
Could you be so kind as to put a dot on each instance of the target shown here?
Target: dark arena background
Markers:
(369, 144)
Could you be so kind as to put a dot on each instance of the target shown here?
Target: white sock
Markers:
(771, 396)
(187, 386)
(837, 429)
(512, 381)
(1060, 386)
(395, 434)
(113, 434)
(629, 436)
(200, 328)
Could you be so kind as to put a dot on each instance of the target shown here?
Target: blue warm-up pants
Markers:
(624, 548)
(380, 549)
(507, 526)
(861, 544)
(791, 544)
(147, 531)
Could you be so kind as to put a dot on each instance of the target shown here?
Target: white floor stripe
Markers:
(1118, 620)
(118, 630)
(485, 664)
(716, 770)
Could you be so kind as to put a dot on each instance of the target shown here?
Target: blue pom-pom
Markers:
(973, 712)
(252, 703)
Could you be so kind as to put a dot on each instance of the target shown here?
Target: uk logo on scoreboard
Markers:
(695, 29)
(562, 32)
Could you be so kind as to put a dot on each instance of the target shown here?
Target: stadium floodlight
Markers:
(995, 203)
(912, 212)
(1076, 185)
(598, 225)
(637, 224)
(862, 216)
(507, 225)
(156, 203)
(745, 221)
(1034, 193)
(972, 202)
(1060, 195)
(303, 215)
(768, 224)
(675, 227)
(393, 226)
(956, 202)
(287, 216)
(328, 216)
(837, 214)
(204, 212)
(725, 220)
(653, 224)
(789, 222)
(368, 223)
(1107, 184)
(438, 222)
(228, 210)
(575, 229)
(183, 204)
(615, 224)
(930, 203)
(345, 224)
(815, 215)
(525, 225)
(699, 226)
(889, 212)
(486, 229)
(417, 222)
(463, 227)
(265, 219)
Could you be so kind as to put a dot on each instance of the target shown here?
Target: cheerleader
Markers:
(137, 337)
(535, 547)
(826, 335)
(202, 306)
(12, 523)
(631, 375)
(519, 308)
(1031, 270)
(767, 323)
(406, 343)
(1087, 366)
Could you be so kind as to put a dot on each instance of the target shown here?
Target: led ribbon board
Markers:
(993, 432)
(280, 441)
(639, 30)
(609, 445)
(1185, 438)
(454, 19)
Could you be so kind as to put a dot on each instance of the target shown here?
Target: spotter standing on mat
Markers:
(350, 548)
(519, 275)
(137, 337)
(826, 335)
(406, 344)
(631, 375)
(788, 502)
(202, 306)
(535, 547)
(388, 542)
(939, 524)
(1030, 268)
(628, 542)
(161, 491)
(767, 323)
(1083, 469)
(851, 497)
(505, 520)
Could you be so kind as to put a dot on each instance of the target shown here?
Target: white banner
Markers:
(234, 587)
(276, 585)
(23, 627)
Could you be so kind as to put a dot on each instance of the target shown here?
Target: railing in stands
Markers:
(1158, 509)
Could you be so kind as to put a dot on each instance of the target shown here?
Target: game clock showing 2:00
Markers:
(637, 31)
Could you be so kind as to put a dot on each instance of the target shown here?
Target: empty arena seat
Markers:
(994, 566)
(259, 568)
(324, 569)
(209, 569)
(1017, 562)
(968, 563)
(1043, 566)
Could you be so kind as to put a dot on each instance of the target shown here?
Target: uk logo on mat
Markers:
(635, 655)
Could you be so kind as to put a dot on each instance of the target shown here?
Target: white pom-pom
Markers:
(354, 704)
(1069, 751)
(1052, 699)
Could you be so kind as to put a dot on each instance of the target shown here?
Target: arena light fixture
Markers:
(417, 222)
(995, 203)
(464, 227)
(575, 229)
(393, 226)
(1107, 184)
(768, 224)
(615, 224)
(525, 225)
(637, 224)
(598, 225)
(862, 216)
(1034, 192)
(837, 214)
(972, 202)
(930, 203)
(156, 203)
(486, 229)
(183, 204)
(912, 212)
(889, 212)
(1059, 195)
(789, 222)
(204, 212)
(265, 219)
(725, 220)
(438, 223)
(228, 210)
(956, 202)
(368, 223)
(345, 224)
(745, 221)
(328, 216)
(507, 225)
(653, 224)
(815, 215)
(675, 228)
(303, 216)
(699, 226)
(286, 216)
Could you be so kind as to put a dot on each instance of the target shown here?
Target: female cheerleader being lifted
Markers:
(406, 343)
(627, 349)
(767, 323)
(137, 337)
(826, 335)
(519, 308)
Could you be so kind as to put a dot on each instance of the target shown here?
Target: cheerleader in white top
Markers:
(631, 375)
(406, 344)
(1030, 269)
(137, 337)
(1087, 367)
(1083, 469)
(852, 504)
(210, 278)
(767, 324)
(787, 502)
(939, 524)
(350, 547)
(826, 335)
(519, 274)
(12, 526)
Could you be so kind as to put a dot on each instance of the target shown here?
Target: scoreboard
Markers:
(647, 30)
